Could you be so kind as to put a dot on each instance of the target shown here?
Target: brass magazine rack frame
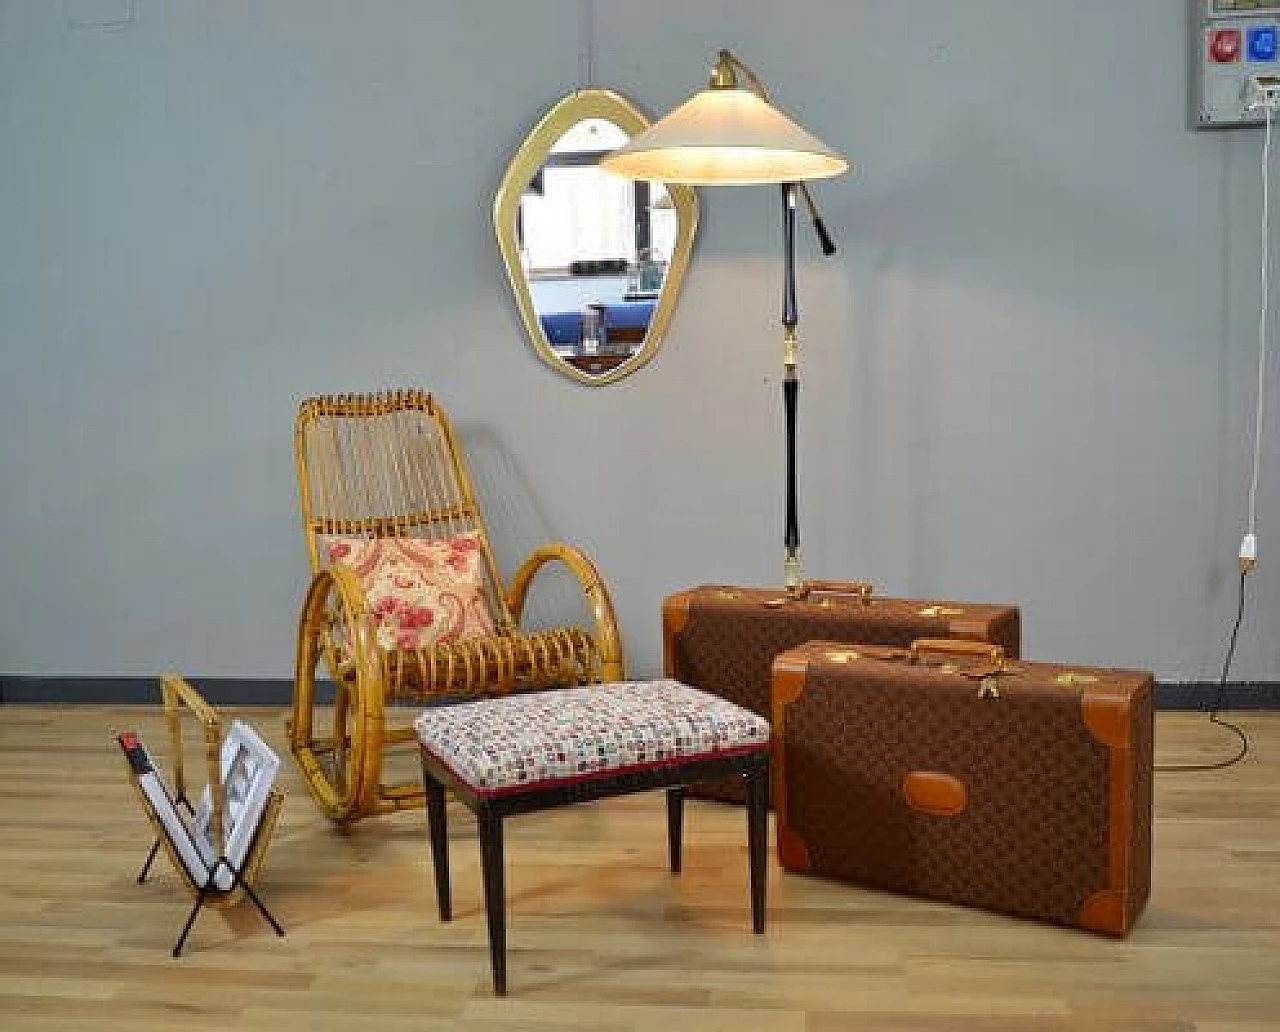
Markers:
(177, 693)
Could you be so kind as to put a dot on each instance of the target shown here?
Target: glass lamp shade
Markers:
(728, 136)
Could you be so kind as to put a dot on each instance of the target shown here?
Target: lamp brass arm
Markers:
(724, 76)
(608, 640)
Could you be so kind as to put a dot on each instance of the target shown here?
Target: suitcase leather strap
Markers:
(855, 594)
(929, 652)
(826, 593)
(953, 647)
(984, 673)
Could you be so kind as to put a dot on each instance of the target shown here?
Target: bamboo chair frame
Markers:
(388, 465)
(177, 693)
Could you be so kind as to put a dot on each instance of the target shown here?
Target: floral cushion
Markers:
(421, 593)
(539, 740)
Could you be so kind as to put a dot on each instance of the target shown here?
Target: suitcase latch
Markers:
(988, 689)
(1071, 677)
(939, 611)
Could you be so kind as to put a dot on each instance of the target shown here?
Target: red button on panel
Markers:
(1224, 45)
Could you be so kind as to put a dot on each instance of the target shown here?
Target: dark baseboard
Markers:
(235, 691)
(1203, 695)
(128, 691)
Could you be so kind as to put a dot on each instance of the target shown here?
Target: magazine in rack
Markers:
(249, 769)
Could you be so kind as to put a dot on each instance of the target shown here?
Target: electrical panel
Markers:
(1231, 42)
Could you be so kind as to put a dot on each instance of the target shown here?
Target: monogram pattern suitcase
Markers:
(1017, 787)
(723, 639)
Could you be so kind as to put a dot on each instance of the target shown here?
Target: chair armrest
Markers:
(608, 640)
(354, 608)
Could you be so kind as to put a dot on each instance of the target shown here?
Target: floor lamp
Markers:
(731, 135)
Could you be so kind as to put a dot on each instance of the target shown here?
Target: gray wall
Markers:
(1027, 375)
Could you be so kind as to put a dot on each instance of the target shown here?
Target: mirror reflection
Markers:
(595, 248)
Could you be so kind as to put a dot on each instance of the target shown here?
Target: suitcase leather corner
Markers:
(675, 618)
(1105, 912)
(1106, 713)
(793, 854)
(790, 669)
(1004, 629)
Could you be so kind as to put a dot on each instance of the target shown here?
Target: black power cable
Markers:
(1219, 698)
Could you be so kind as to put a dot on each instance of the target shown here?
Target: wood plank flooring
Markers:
(601, 935)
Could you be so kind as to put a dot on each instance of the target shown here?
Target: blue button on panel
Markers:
(1264, 42)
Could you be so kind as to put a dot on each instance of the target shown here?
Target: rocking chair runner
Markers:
(385, 466)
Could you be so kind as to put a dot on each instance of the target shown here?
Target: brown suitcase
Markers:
(1018, 787)
(723, 639)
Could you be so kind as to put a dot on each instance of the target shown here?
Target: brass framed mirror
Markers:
(596, 261)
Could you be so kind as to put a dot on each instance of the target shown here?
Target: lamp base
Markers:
(792, 579)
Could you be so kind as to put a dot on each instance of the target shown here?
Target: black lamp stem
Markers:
(790, 385)
(790, 314)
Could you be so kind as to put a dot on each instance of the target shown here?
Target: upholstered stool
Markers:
(532, 752)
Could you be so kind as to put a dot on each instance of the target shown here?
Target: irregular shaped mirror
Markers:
(595, 260)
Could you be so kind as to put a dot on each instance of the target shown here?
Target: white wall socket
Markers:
(1262, 93)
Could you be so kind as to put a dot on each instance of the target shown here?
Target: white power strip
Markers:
(1262, 93)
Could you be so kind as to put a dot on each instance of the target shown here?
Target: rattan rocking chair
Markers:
(388, 465)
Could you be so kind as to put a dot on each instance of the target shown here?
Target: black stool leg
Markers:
(757, 832)
(494, 895)
(437, 821)
(675, 825)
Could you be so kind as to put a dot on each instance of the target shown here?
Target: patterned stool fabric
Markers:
(544, 739)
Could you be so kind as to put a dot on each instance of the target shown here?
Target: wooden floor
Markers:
(602, 937)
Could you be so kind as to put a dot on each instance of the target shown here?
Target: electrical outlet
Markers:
(1261, 93)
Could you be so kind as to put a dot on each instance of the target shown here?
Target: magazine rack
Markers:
(217, 854)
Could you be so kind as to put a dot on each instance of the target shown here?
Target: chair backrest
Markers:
(387, 465)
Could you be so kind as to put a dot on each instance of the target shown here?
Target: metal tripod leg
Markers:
(191, 917)
(146, 867)
(258, 903)
(209, 888)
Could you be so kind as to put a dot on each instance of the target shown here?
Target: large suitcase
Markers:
(1018, 787)
(723, 639)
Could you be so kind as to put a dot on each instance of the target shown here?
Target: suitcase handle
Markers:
(862, 590)
(957, 647)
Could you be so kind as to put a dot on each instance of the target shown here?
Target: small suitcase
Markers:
(1018, 787)
(723, 639)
